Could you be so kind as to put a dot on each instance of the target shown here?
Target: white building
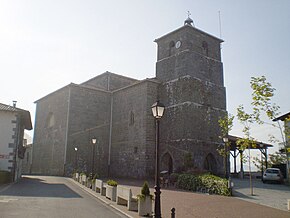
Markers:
(13, 121)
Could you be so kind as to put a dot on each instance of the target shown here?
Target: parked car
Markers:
(273, 174)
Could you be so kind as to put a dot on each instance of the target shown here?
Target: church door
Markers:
(167, 163)
(210, 164)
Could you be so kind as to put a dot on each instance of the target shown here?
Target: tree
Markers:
(274, 159)
(226, 125)
(246, 119)
(262, 94)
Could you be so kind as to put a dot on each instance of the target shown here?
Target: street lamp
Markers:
(76, 161)
(157, 110)
(94, 141)
(226, 140)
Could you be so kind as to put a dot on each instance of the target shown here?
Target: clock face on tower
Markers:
(178, 44)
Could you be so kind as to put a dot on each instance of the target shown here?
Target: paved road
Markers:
(51, 197)
(272, 195)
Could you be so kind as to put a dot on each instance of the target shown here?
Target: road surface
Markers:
(51, 197)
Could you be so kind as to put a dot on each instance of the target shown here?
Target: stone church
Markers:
(116, 110)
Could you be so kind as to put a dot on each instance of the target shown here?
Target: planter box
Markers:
(88, 183)
(84, 179)
(77, 177)
(100, 187)
(111, 192)
(145, 206)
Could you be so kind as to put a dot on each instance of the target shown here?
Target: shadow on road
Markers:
(34, 187)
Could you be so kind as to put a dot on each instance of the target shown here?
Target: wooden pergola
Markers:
(235, 151)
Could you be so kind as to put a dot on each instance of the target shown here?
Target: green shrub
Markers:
(186, 182)
(5, 177)
(96, 176)
(112, 182)
(145, 191)
(82, 173)
(214, 184)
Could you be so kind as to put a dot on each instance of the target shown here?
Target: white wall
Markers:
(6, 133)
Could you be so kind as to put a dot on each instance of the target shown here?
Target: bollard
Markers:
(173, 212)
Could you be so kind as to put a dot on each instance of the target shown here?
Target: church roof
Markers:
(192, 28)
(107, 73)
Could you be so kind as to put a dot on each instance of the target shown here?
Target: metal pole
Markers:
(266, 157)
(235, 162)
(242, 164)
(157, 209)
(76, 164)
(173, 212)
(262, 165)
(226, 161)
(93, 161)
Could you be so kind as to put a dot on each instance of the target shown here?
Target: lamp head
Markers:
(157, 110)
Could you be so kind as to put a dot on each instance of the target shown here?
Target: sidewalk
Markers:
(196, 205)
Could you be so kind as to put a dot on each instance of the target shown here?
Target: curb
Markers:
(96, 196)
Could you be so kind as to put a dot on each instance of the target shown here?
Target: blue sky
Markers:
(45, 45)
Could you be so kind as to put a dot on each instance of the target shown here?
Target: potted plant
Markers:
(145, 201)
(111, 189)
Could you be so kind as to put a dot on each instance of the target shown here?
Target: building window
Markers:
(135, 150)
(205, 47)
(171, 46)
(132, 118)
(50, 121)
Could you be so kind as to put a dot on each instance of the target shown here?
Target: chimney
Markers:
(14, 103)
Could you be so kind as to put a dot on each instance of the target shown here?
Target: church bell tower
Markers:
(192, 88)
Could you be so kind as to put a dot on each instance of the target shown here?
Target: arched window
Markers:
(205, 47)
(50, 121)
(210, 163)
(132, 118)
(171, 45)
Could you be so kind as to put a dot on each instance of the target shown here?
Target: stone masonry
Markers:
(116, 110)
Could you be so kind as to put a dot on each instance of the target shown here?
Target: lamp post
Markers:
(157, 110)
(94, 141)
(226, 140)
(76, 160)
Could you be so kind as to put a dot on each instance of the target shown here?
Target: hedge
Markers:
(213, 184)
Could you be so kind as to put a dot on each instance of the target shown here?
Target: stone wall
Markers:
(194, 96)
(132, 121)
(50, 133)
(89, 117)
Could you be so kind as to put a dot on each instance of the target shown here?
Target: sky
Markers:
(45, 45)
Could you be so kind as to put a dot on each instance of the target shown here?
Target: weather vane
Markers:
(188, 13)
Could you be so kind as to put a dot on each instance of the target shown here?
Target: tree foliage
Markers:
(273, 159)
(262, 94)
(226, 125)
